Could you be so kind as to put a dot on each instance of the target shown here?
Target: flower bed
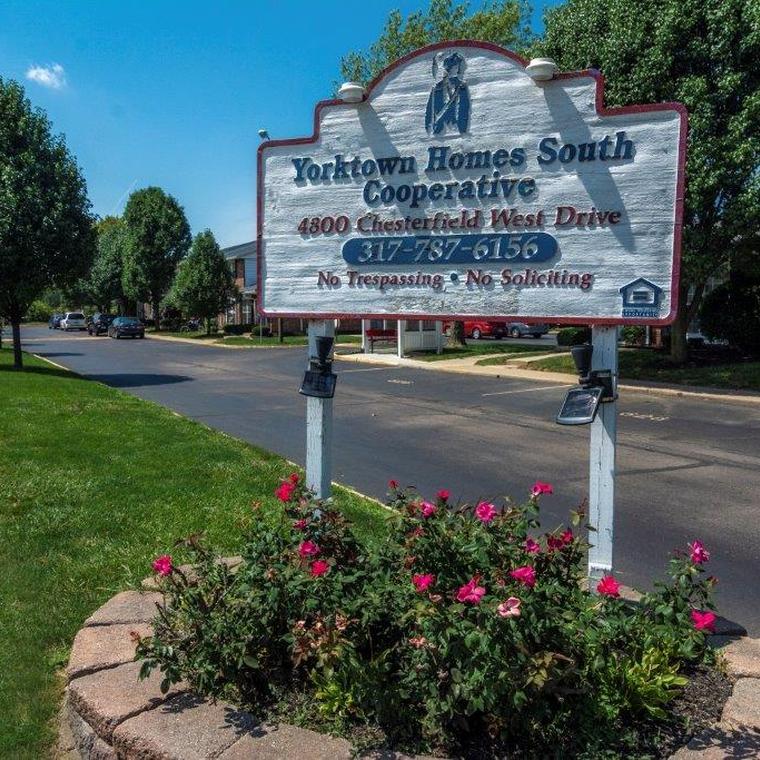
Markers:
(467, 631)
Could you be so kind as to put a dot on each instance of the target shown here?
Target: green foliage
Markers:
(503, 22)
(46, 233)
(204, 283)
(104, 281)
(158, 237)
(573, 336)
(704, 54)
(439, 635)
(39, 311)
(732, 312)
(633, 335)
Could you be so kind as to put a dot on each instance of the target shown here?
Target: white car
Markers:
(73, 320)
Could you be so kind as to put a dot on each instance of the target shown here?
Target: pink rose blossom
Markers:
(443, 494)
(393, 485)
(285, 491)
(418, 641)
(525, 575)
(699, 554)
(540, 488)
(485, 512)
(703, 621)
(423, 581)
(608, 586)
(308, 549)
(553, 543)
(531, 546)
(319, 567)
(510, 608)
(428, 509)
(301, 524)
(293, 478)
(567, 536)
(163, 565)
(471, 592)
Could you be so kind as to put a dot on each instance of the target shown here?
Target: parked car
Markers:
(99, 323)
(122, 327)
(479, 329)
(521, 330)
(54, 323)
(73, 320)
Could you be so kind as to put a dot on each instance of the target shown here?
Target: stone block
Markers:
(103, 646)
(102, 751)
(721, 742)
(742, 710)
(109, 697)
(742, 654)
(183, 728)
(126, 607)
(81, 732)
(286, 742)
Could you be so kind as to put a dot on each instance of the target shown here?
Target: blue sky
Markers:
(173, 93)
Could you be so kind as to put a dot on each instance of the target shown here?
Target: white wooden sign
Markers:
(461, 187)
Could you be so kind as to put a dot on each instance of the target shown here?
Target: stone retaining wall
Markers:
(109, 714)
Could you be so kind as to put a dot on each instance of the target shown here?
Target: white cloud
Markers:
(52, 76)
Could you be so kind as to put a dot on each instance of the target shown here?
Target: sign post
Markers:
(319, 423)
(468, 183)
(604, 339)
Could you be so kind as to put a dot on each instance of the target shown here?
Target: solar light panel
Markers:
(580, 406)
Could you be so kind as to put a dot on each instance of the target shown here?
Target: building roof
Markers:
(241, 251)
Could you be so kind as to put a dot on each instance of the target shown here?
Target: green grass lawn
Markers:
(654, 365)
(93, 484)
(480, 348)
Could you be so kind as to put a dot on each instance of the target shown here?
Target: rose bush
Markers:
(466, 625)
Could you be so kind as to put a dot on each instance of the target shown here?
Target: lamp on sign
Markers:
(581, 404)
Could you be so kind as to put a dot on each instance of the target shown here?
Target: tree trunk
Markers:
(156, 315)
(18, 359)
(279, 329)
(208, 325)
(456, 335)
(679, 350)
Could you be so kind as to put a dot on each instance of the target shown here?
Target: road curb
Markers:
(561, 378)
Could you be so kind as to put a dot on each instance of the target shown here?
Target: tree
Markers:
(704, 54)
(204, 282)
(46, 229)
(104, 282)
(158, 237)
(503, 23)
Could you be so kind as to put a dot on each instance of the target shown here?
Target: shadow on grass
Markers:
(27, 370)
(137, 380)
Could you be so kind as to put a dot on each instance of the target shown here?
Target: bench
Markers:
(377, 335)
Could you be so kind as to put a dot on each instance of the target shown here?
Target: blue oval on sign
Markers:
(498, 248)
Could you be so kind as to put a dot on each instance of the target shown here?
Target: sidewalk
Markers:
(468, 366)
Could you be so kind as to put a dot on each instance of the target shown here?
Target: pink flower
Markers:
(531, 546)
(319, 567)
(163, 565)
(443, 494)
(703, 621)
(510, 608)
(608, 586)
(301, 524)
(423, 581)
(485, 512)
(308, 549)
(428, 509)
(418, 641)
(293, 478)
(525, 575)
(471, 592)
(567, 536)
(553, 543)
(285, 491)
(699, 554)
(539, 488)
(393, 485)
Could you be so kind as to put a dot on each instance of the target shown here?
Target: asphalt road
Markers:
(687, 468)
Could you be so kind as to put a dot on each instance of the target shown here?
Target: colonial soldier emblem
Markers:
(448, 106)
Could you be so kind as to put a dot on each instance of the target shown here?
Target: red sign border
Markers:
(600, 109)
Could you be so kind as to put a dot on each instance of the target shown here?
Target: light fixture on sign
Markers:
(351, 92)
(319, 380)
(541, 69)
(581, 404)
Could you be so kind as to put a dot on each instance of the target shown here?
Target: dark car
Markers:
(126, 327)
(99, 323)
(54, 322)
(521, 330)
